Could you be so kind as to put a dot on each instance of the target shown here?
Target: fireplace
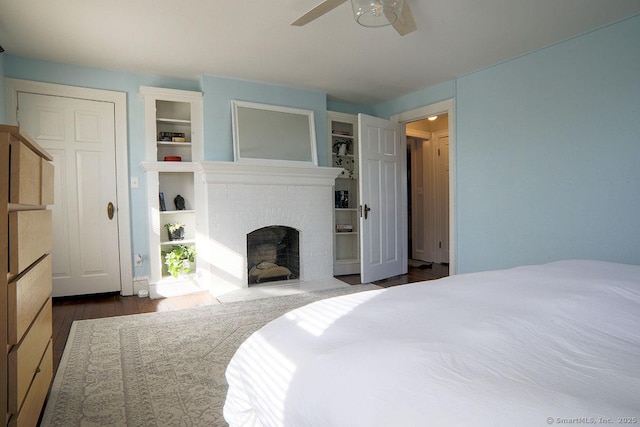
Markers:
(273, 253)
(243, 199)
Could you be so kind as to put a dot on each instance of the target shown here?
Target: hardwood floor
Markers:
(68, 309)
(415, 274)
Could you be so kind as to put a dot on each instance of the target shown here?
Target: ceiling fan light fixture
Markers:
(376, 13)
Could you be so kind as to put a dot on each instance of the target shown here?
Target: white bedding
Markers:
(529, 346)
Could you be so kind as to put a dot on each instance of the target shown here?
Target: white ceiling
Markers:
(253, 39)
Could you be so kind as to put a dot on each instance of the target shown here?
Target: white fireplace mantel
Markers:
(241, 198)
(245, 173)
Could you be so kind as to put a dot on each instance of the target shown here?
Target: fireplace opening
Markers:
(273, 253)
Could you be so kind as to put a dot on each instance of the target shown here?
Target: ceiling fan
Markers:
(370, 13)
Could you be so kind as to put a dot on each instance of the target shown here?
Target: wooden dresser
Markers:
(26, 188)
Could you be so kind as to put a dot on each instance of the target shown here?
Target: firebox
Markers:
(273, 253)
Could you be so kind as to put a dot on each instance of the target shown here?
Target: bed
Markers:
(557, 343)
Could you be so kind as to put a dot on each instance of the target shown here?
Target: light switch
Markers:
(134, 182)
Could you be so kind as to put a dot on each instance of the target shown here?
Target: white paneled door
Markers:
(79, 134)
(383, 190)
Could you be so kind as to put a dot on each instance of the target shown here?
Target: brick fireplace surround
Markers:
(240, 198)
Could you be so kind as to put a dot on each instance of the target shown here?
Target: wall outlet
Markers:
(134, 182)
(138, 260)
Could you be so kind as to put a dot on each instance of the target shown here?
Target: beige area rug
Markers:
(159, 369)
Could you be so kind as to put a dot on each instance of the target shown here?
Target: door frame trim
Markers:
(119, 99)
(446, 106)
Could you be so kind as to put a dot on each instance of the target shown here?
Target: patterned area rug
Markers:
(159, 369)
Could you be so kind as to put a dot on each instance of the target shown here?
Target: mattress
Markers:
(529, 346)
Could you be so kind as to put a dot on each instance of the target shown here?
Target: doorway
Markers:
(19, 89)
(438, 109)
(428, 190)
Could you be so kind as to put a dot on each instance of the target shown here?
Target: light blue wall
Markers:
(220, 91)
(548, 154)
(50, 72)
(548, 144)
(414, 100)
(348, 108)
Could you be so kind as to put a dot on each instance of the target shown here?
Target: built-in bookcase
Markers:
(343, 151)
(173, 140)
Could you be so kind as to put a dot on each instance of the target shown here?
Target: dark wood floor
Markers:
(67, 310)
(416, 274)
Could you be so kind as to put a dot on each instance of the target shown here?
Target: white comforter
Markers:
(530, 346)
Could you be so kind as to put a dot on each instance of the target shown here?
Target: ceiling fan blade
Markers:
(317, 12)
(405, 23)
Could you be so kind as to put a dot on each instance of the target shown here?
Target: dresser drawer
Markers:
(46, 186)
(33, 402)
(26, 296)
(25, 358)
(29, 238)
(26, 174)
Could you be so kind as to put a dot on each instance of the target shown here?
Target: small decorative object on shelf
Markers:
(342, 199)
(172, 158)
(175, 230)
(179, 201)
(171, 136)
(178, 260)
(163, 206)
(344, 228)
(347, 165)
(342, 146)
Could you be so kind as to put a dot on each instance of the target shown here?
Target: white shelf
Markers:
(169, 166)
(178, 242)
(347, 261)
(185, 211)
(174, 144)
(345, 243)
(173, 121)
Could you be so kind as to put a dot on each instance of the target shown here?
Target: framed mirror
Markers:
(273, 134)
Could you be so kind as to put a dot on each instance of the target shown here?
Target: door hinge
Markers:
(440, 244)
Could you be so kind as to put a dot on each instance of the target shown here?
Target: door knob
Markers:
(110, 210)
(366, 211)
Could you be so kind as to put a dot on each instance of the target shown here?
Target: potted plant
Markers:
(175, 230)
(178, 260)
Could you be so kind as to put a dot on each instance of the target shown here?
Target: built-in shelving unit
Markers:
(343, 152)
(173, 139)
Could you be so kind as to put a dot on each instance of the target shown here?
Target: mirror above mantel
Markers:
(270, 134)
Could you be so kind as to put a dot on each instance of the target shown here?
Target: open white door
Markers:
(383, 195)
